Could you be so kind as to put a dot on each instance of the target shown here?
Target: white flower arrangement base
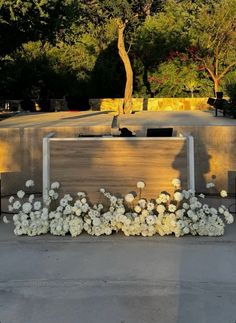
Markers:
(180, 214)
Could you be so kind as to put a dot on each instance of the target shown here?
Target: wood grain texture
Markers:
(117, 165)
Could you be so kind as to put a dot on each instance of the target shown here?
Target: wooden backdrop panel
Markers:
(117, 165)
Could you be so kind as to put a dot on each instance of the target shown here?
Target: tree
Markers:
(213, 38)
(127, 14)
(32, 20)
(177, 77)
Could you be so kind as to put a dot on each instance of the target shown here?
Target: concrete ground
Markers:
(117, 279)
(103, 118)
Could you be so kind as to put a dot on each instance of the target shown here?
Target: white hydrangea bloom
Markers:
(55, 185)
(140, 185)
(176, 182)
(161, 208)
(16, 205)
(11, 199)
(10, 208)
(37, 205)
(137, 209)
(178, 196)
(210, 185)
(5, 220)
(129, 198)
(172, 208)
(27, 207)
(29, 183)
(20, 194)
(223, 193)
(142, 203)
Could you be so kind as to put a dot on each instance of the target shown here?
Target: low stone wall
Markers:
(21, 153)
(152, 104)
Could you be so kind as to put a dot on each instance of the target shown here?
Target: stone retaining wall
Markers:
(152, 104)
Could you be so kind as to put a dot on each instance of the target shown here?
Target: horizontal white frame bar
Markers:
(120, 138)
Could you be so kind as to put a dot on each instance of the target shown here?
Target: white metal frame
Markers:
(46, 154)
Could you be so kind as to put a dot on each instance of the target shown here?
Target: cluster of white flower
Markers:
(180, 214)
(67, 218)
(30, 217)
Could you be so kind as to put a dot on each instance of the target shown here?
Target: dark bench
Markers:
(218, 104)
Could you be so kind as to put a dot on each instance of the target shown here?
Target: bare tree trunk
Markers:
(127, 105)
(216, 85)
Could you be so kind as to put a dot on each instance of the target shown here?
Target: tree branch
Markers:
(226, 70)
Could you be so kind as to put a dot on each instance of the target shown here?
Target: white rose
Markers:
(140, 184)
